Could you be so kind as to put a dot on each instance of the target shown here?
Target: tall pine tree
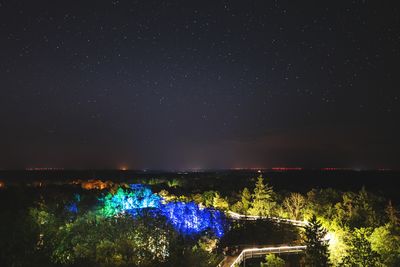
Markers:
(317, 254)
(263, 199)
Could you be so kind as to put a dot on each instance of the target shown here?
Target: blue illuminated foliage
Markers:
(186, 218)
(73, 208)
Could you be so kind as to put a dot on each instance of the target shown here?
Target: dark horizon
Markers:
(199, 85)
(209, 170)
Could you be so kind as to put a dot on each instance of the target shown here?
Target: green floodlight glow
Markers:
(130, 201)
(186, 218)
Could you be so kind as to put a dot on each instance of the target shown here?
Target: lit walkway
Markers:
(231, 261)
(237, 216)
(258, 253)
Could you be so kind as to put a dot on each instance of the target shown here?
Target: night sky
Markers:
(199, 84)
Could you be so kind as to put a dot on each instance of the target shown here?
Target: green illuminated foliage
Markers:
(246, 199)
(337, 245)
(385, 240)
(263, 199)
(360, 253)
(95, 240)
(360, 209)
(113, 202)
(129, 200)
(174, 183)
(272, 260)
(208, 198)
(220, 202)
(294, 205)
(243, 205)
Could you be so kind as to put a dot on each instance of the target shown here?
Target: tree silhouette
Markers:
(317, 247)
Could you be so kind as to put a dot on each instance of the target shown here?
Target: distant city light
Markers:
(287, 169)
(44, 169)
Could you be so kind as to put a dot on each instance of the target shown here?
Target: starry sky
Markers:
(199, 84)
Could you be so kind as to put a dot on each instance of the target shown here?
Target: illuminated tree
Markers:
(129, 200)
(174, 183)
(165, 195)
(263, 199)
(94, 240)
(357, 210)
(337, 245)
(198, 198)
(360, 253)
(246, 199)
(320, 202)
(271, 260)
(220, 202)
(189, 219)
(386, 241)
(317, 247)
(294, 205)
(208, 198)
(237, 207)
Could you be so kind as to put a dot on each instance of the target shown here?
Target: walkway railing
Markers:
(259, 252)
(238, 216)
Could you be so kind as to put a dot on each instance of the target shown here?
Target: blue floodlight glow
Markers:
(189, 219)
(73, 208)
(186, 218)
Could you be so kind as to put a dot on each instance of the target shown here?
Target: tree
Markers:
(244, 204)
(220, 202)
(317, 247)
(357, 210)
(294, 205)
(319, 202)
(262, 199)
(237, 207)
(174, 183)
(386, 241)
(246, 199)
(93, 240)
(360, 252)
(392, 214)
(208, 198)
(273, 261)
